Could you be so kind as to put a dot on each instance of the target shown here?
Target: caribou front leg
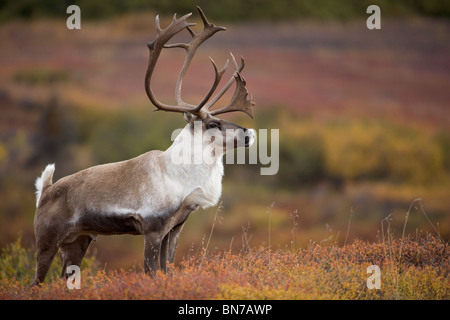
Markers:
(169, 246)
(152, 248)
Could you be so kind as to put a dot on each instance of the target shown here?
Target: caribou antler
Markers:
(240, 100)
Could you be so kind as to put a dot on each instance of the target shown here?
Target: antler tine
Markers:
(204, 19)
(240, 100)
(219, 95)
(155, 48)
(218, 77)
(238, 69)
(157, 25)
(209, 30)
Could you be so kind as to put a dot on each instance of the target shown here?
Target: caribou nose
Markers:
(246, 139)
(249, 137)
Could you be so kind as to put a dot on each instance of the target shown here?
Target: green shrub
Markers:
(302, 159)
(41, 76)
(128, 132)
(18, 262)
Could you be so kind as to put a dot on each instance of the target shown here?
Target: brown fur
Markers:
(55, 230)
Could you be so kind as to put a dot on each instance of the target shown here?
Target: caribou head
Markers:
(225, 134)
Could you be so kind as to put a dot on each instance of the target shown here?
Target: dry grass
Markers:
(316, 272)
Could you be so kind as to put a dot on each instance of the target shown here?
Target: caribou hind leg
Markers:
(73, 253)
(46, 248)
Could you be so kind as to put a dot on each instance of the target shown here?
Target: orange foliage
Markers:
(316, 272)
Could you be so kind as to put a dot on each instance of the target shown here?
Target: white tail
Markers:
(43, 181)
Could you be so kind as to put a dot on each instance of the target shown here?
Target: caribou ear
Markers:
(189, 117)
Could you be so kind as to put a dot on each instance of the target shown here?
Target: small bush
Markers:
(303, 160)
(18, 263)
(41, 77)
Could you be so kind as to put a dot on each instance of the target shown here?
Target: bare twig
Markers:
(348, 227)
(211, 232)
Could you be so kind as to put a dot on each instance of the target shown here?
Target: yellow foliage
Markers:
(359, 149)
(373, 150)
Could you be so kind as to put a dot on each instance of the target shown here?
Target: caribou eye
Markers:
(213, 125)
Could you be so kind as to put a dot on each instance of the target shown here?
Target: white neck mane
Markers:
(203, 178)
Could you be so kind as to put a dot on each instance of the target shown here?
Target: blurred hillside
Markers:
(230, 10)
(363, 115)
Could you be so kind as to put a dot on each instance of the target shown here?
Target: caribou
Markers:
(148, 195)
